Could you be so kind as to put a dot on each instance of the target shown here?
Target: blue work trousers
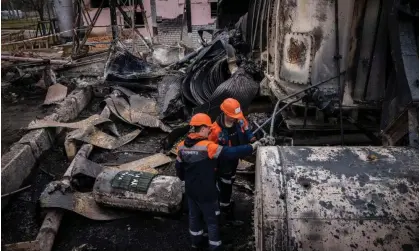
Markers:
(201, 213)
(225, 180)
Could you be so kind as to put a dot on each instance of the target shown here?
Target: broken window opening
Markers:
(214, 6)
(138, 20)
(97, 3)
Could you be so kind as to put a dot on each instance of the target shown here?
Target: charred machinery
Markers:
(362, 55)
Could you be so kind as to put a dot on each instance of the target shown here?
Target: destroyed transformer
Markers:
(362, 53)
(339, 69)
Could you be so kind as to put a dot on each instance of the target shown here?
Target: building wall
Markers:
(171, 13)
(170, 32)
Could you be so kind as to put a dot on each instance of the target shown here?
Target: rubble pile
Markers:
(197, 82)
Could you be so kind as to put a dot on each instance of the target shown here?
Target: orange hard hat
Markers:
(200, 119)
(231, 108)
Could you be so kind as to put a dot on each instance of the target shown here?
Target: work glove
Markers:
(255, 145)
(267, 141)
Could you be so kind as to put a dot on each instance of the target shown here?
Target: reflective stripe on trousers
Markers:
(225, 188)
(198, 214)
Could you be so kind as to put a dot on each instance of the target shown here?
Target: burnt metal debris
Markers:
(122, 65)
(56, 93)
(135, 109)
(91, 121)
(313, 197)
(170, 96)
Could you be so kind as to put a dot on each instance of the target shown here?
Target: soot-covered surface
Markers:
(17, 114)
(337, 198)
(21, 219)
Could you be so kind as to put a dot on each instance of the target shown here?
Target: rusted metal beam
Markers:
(144, 14)
(35, 60)
(112, 10)
(127, 20)
(89, 29)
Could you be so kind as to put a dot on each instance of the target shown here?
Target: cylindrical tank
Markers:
(138, 191)
(336, 198)
(65, 16)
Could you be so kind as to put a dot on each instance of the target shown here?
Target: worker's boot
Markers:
(203, 244)
(231, 216)
(198, 248)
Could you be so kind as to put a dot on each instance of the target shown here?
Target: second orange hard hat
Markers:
(231, 108)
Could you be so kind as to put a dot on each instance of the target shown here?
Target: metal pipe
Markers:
(373, 49)
(154, 17)
(35, 60)
(114, 23)
(271, 131)
(337, 58)
(256, 124)
(188, 15)
(145, 20)
(293, 95)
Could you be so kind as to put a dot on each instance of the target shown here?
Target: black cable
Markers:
(373, 50)
(293, 95)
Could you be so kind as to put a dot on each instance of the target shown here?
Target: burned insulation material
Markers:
(170, 97)
(237, 39)
(207, 72)
(240, 86)
(124, 66)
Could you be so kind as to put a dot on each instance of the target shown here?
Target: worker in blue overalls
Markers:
(196, 165)
(229, 129)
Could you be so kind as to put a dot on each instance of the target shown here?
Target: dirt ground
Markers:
(17, 115)
(22, 218)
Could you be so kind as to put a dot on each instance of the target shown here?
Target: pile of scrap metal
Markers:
(123, 66)
(29, 77)
(212, 73)
(134, 185)
(96, 192)
(100, 131)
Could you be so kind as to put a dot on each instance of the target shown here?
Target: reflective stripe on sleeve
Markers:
(217, 153)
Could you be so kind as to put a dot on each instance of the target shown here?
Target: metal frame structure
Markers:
(80, 39)
(81, 32)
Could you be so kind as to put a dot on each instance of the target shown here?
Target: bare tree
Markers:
(33, 5)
